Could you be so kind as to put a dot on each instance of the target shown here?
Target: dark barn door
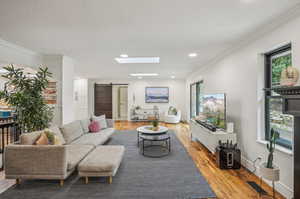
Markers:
(103, 100)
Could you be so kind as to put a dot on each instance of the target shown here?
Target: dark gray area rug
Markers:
(171, 177)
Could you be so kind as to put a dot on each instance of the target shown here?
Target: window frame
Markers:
(268, 93)
(198, 88)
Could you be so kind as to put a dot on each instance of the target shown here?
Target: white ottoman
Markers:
(104, 161)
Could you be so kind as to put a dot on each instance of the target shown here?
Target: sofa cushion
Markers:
(54, 129)
(29, 138)
(75, 153)
(102, 159)
(42, 140)
(102, 121)
(72, 131)
(85, 125)
(94, 138)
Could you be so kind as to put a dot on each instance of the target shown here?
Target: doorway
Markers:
(103, 100)
(120, 102)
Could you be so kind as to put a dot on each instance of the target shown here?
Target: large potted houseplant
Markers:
(267, 169)
(25, 94)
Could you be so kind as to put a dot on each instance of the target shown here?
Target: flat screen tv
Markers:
(157, 94)
(213, 110)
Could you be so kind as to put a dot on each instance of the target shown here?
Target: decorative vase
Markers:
(271, 174)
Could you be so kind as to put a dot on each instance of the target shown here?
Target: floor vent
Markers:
(257, 188)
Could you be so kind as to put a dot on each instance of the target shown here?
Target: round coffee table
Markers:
(154, 143)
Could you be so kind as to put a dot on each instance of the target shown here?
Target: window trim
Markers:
(268, 93)
(197, 84)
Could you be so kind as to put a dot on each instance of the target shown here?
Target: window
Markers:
(195, 97)
(276, 62)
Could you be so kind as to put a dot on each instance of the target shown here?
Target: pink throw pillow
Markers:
(94, 127)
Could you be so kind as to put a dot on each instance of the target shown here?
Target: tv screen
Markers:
(213, 110)
(157, 95)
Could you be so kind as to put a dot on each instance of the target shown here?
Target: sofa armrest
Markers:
(35, 160)
(110, 123)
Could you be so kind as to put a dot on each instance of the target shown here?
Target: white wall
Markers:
(68, 114)
(62, 69)
(13, 54)
(80, 99)
(240, 76)
(137, 88)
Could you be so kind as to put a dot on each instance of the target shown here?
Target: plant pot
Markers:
(269, 174)
(155, 128)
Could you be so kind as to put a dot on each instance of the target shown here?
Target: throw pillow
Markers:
(57, 141)
(175, 111)
(54, 129)
(51, 137)
(94, 127)
(42, 140)
(102, 121)
(29, 138)
(172, 111)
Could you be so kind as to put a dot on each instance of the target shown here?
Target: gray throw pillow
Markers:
(102, 121)
(85, 125)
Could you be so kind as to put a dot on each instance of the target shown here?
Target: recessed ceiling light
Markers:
(138, 60)
(173, 77)
(143, 74)
(193, 55)
(124, 55)
(247, 1)
(140, 77)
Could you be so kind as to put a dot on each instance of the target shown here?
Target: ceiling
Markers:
(94, 32)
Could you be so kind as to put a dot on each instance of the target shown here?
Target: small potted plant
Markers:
(155, 123)
(267, 169)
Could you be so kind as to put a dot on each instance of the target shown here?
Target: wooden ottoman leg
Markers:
(86, 180)
(61, 183)
(110, 179)
(18, 181)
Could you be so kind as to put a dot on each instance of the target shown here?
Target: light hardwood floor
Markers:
(227, 184)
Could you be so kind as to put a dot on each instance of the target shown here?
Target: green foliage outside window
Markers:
(279, 64)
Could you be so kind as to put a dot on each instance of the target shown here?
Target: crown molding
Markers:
(254, 35)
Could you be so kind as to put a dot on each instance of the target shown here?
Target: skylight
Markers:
(138, 60)
(143, 74)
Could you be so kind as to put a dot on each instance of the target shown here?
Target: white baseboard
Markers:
(279, 186)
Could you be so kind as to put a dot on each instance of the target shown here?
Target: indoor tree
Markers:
(25, 94)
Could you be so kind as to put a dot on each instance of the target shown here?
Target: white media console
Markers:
(209, 138)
